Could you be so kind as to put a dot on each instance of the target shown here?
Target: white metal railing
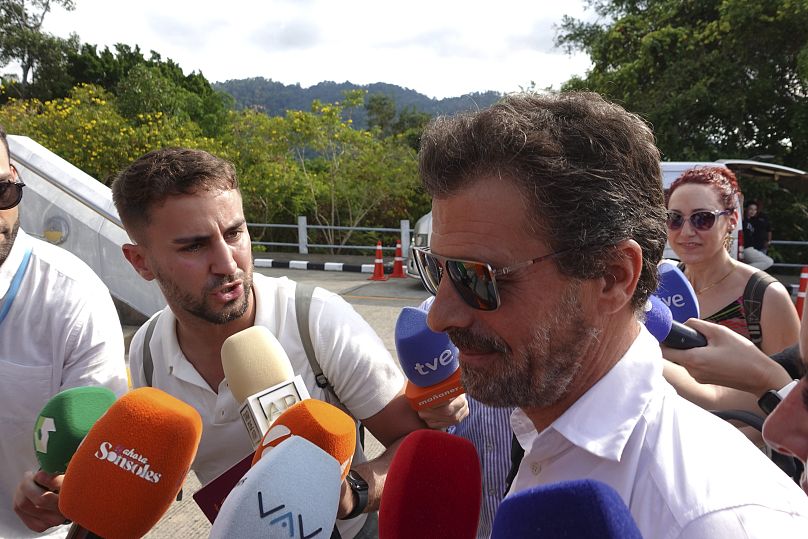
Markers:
(786, 264)
(303, 229)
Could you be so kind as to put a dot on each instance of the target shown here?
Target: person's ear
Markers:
(733, 220)
(136, 256)
(622, 274)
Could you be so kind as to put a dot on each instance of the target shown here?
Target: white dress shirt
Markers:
(62, 331)
(683, 472)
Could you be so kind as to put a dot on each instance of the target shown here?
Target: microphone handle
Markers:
(78, 532)
(683, 337)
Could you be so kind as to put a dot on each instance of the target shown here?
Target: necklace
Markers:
(719, 281)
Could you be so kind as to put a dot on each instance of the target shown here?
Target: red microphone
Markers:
(433, 488)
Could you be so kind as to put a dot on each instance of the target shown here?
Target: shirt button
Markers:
(489, 446)
(535, 467)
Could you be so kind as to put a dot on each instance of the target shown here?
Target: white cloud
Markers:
(439, 48)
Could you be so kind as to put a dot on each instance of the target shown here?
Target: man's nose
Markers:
(448, 310)
(222, 261)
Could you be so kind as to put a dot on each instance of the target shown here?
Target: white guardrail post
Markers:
(405, 238)
(302, 235)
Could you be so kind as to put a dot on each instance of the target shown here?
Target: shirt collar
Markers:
(602, 420)
(13, 261)
(225, 409)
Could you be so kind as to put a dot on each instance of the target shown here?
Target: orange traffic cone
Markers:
(801, 291)
(378, 268)
(398, 265)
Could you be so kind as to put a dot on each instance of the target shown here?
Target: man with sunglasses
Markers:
(58, 329)
(548, 223)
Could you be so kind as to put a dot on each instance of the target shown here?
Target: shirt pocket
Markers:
(24, 389)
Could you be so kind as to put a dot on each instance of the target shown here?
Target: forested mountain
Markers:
(276, 98)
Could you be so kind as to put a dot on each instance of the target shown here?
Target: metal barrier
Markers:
(303, 228)
(785, 264)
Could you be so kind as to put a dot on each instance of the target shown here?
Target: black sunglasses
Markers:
(700, 220)
(10, 194)
(475, 281)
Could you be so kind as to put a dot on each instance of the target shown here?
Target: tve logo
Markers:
(445, 358)
(285, 519)
(676, 292)
(675, 300)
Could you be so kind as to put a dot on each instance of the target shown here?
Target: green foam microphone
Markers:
(64, 422)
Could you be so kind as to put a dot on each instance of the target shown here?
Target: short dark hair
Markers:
(163, 173)
(589, 168)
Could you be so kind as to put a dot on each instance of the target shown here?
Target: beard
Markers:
(540, 374)
(10, 235)
(199, 305)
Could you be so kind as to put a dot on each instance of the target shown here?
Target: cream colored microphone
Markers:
(260, 376)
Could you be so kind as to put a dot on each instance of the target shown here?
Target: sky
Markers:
(440, 48)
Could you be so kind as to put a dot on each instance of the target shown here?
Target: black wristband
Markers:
(769, 400)
(360, 489)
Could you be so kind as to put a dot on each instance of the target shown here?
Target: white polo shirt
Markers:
(352, 356)
(683, 472)
(62, 331)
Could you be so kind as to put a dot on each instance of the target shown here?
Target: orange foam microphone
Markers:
(130, 466)
(322, 424)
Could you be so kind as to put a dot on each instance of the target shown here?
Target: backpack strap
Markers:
(753, 304)
(303, 295)
(148, 362)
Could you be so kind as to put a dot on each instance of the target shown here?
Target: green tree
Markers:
(350, 175)
(146, 85)
(22, 38)
(106, 68)
(51, 78)
(409, 125)
(87, 130)
(145, 89)
(271, 181)
(716, 78)
(381, 111)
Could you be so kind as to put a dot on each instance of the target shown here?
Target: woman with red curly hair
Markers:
(702, 213)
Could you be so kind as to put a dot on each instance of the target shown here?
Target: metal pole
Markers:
(302, 235)
(405, 238)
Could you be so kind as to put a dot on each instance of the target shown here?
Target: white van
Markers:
(671, 170)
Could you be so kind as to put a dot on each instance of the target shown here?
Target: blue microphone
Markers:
(428, 360)
(583, 509)
(660, 323)
(676, 292)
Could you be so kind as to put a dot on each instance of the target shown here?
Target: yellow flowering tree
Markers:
(86, 129)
